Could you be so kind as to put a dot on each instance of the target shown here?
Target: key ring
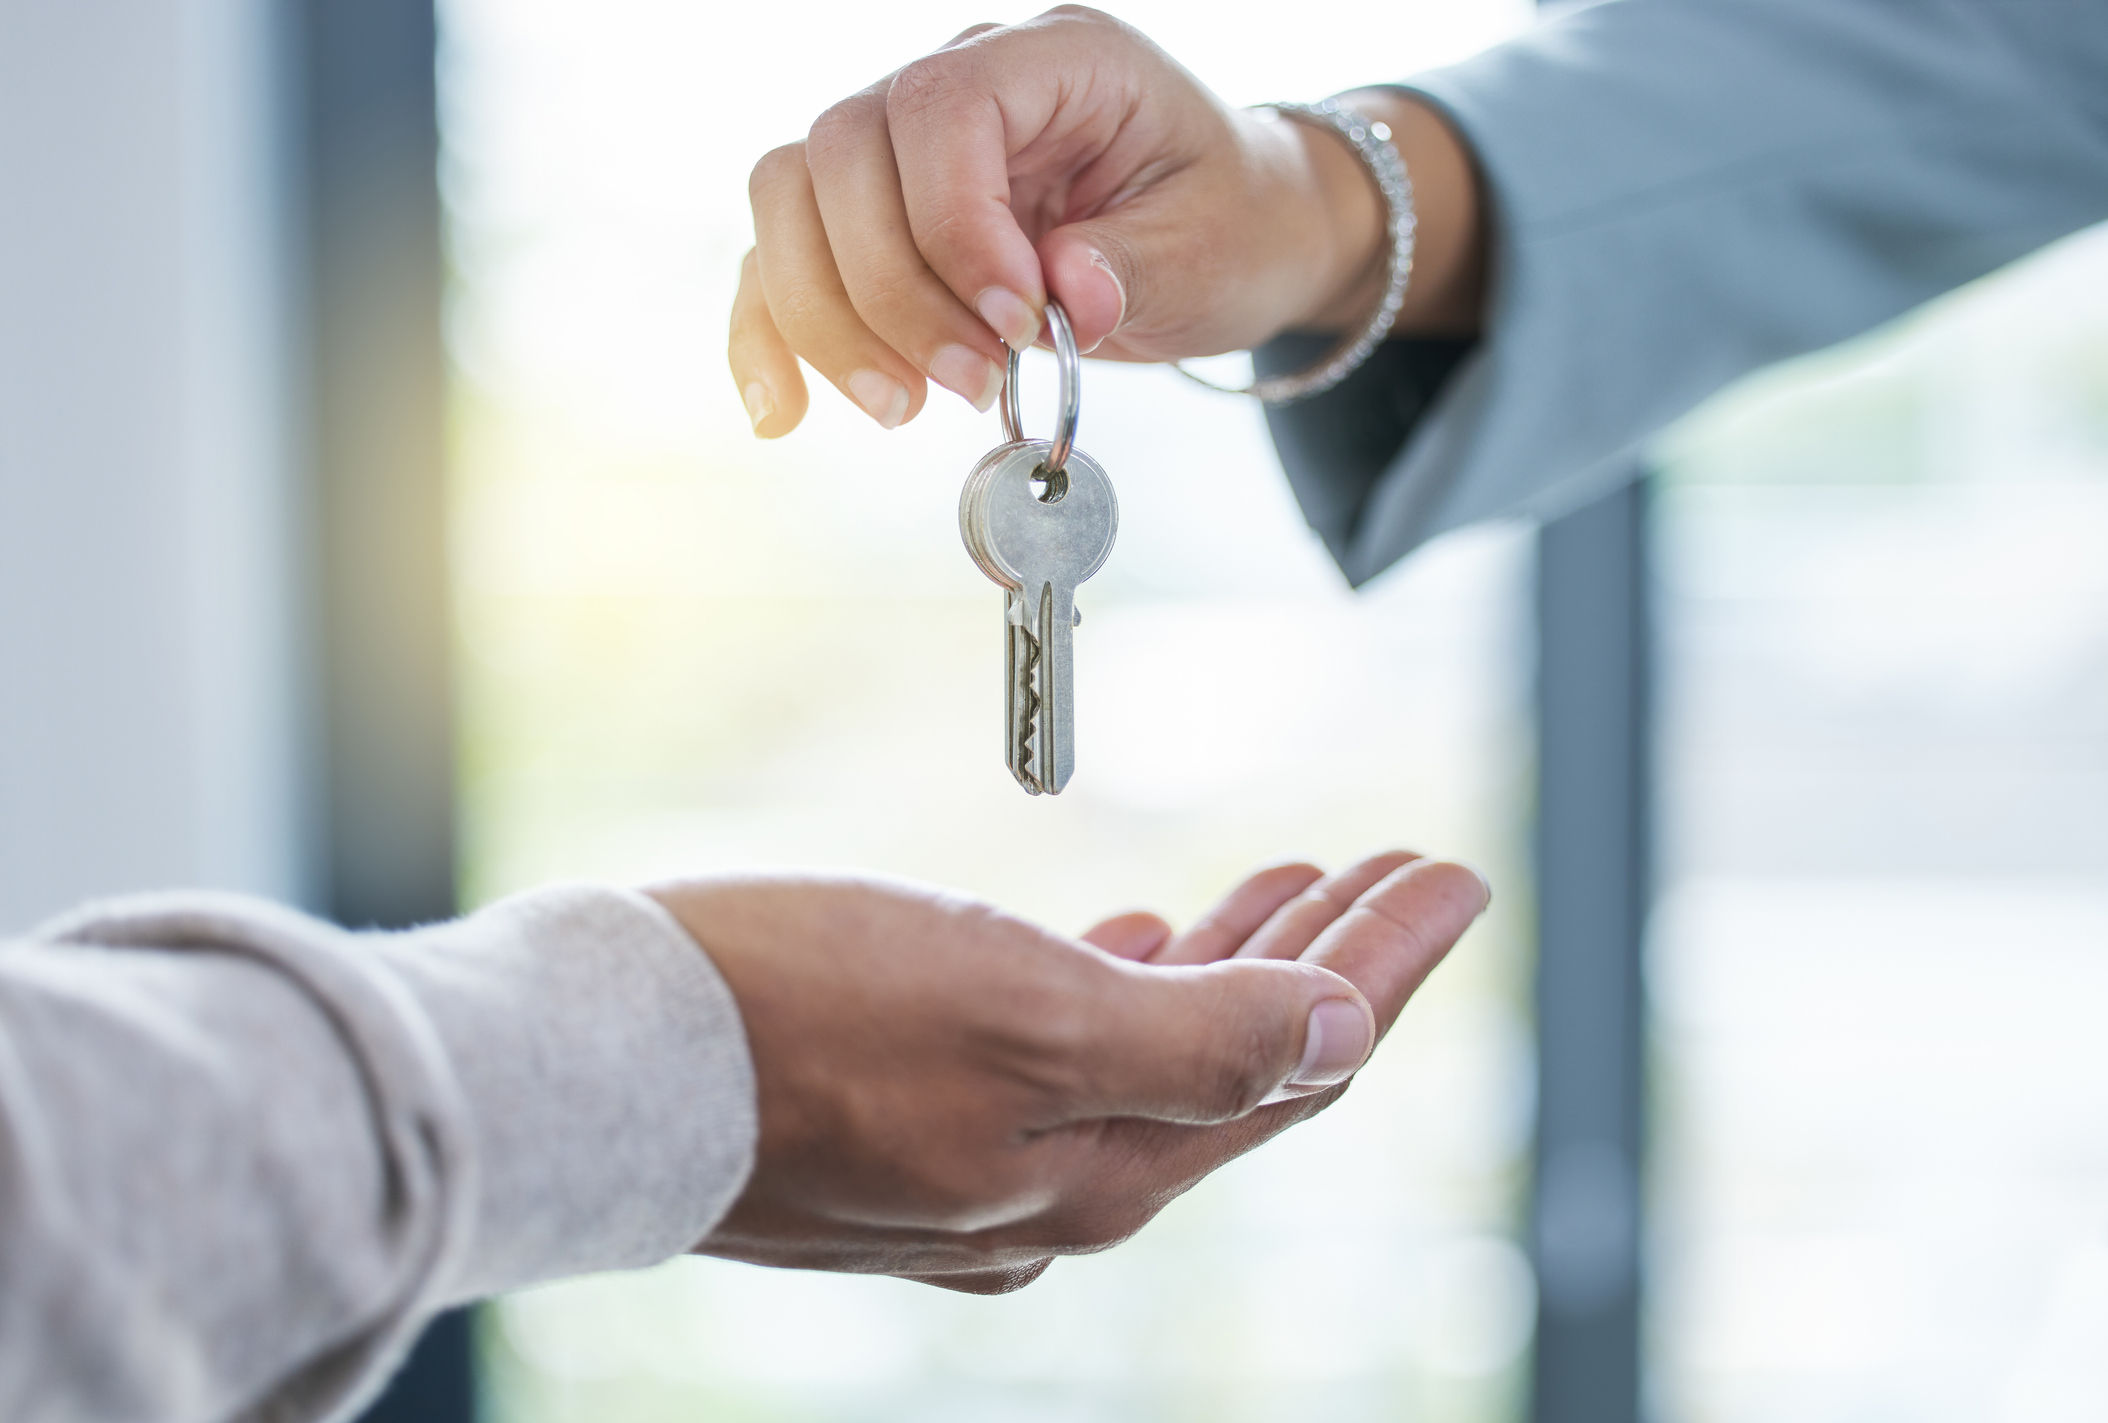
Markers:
(1070, 368)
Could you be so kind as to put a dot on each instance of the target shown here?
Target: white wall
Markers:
(149, 667)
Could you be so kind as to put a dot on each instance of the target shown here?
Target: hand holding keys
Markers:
(1039, 517)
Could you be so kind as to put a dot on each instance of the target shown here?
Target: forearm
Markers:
(1673, 195)
(244, 1156)
(195, 1184)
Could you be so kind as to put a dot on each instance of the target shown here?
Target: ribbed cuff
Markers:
(609, 1089)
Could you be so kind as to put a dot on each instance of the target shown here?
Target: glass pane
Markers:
(1880, 968)
(686, 650)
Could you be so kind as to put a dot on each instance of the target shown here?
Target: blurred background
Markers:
(379, 530)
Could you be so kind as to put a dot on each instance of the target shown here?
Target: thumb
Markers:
(1153, 270)
(1091, 268)
(1209, 1043)
(1159, 272)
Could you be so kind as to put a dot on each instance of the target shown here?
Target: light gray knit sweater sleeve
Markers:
(1682, 191)
(244, 1155)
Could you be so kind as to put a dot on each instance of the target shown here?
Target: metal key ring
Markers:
(1070, 369)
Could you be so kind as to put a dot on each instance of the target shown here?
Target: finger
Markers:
(1218, 933)
(1395, 934)
(1210, 1042)
(1386, 944)
(1139, 270)
(951, 116)
(1143, 271)
(1147, 265)
(892, 288)
(1296, 925)
(806, 298)
(1081, 273)
(1135, 936)
(762, 364)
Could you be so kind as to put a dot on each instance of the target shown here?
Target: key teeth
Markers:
(1028, 724)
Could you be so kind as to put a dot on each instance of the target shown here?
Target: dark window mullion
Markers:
(1593, 871)
(370, 261)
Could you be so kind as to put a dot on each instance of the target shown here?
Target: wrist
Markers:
(1352, 224)
(1445, 294)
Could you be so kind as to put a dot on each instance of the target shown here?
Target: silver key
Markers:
(1039, 536)
(1042, 538)
(1019, 653)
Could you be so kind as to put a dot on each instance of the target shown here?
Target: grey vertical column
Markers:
(376, 425)
(1594, 800)
(377, 373)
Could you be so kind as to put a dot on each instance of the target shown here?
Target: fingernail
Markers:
(884, 399)
(1335, 1044)
(1011, 317)
(1098, 261)
(759, 406)
(969, 373)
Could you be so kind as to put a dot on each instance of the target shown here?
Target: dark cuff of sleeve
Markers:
(1337, 446)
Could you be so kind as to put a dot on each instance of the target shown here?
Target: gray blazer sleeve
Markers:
(1682, 191)
(244, 1155)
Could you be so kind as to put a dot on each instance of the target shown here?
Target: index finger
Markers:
(949, 115)
(1394, 934)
